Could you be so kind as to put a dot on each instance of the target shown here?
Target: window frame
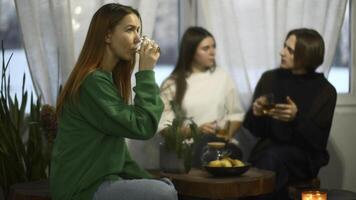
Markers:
(349, 99)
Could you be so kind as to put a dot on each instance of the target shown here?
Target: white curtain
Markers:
(250, 34)
(48, 40)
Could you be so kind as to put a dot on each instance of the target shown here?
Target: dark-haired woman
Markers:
(204, 91)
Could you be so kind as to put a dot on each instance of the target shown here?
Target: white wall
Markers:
(340, 172)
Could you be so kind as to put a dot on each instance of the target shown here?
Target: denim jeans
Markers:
(136, 189)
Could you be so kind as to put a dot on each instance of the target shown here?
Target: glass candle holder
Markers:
(314, 195)
(213, 151)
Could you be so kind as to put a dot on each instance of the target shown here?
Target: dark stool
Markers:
(295, 188)
(1, 194)
(37, 190)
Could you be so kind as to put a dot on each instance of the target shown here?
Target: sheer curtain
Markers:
(48, 41)
(250, 34)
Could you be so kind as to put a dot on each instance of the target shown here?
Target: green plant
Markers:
(175, 138)
(24, 150)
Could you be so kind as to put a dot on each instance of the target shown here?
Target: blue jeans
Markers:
(136, 189)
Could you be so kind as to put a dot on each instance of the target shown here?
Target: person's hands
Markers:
(257, 106)
(149, 54)
(284, 112)
(208, 128)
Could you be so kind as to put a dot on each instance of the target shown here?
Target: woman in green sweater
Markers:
(90, 159)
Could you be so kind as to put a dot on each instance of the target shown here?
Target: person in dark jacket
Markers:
(292, 111)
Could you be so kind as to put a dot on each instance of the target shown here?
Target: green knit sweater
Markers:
(90, 146)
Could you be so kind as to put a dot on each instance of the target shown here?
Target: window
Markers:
(10, 34)
(166, 35)
(340, 70)
(343, 73)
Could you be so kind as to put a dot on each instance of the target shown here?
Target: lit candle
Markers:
(314, 195)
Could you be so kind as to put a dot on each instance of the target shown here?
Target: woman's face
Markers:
(123, 39)
(204, 57)
(287, 56)
(287, 53)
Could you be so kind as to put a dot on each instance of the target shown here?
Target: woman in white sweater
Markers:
(205, 92)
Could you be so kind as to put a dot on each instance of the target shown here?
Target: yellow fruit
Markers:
(214, 163)
(225, 163)
(237, 163)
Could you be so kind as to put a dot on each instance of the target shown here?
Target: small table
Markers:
(199, 183)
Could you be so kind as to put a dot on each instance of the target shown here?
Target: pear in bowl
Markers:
(226, 162)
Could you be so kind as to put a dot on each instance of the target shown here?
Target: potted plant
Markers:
(24, 150)
(177, 149)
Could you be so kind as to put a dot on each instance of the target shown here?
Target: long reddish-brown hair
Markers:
(103, 21)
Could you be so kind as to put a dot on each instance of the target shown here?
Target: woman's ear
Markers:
(108, 37)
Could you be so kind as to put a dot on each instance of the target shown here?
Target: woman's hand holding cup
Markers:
(149, 52)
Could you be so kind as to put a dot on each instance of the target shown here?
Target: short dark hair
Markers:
(309, 48)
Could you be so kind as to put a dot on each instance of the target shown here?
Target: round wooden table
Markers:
(199, 183)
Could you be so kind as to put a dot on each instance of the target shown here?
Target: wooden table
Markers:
(199, 183)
